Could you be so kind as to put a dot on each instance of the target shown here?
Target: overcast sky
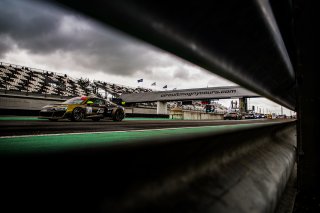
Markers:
(51, 38)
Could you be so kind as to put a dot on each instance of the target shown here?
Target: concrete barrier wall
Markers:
(140, 110)
(238, 170)
(144, 110)
(193, 115)
(33, 103)
(210, 116)
(26, 103)
(128, 110)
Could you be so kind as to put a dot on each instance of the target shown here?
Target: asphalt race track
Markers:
(16, 127)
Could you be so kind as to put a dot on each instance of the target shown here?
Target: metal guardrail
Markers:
(238, 40)
(33, 95)
(245, 170)
(241, 170)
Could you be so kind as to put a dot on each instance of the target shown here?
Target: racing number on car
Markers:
(89, 110)
(100, 111)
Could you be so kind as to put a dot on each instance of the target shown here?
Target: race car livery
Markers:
(78, 108)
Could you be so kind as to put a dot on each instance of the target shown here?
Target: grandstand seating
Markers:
(28, 80)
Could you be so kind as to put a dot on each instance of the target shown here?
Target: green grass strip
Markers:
(19, 118)
(52, 143)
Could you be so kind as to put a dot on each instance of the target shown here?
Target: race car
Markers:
(78, 108)
(232, 116)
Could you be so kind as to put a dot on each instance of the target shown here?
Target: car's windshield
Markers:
(74, 101)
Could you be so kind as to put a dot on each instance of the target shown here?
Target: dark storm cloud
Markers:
(26, 25)
(181, 73)
(43, 29)
(5, 45)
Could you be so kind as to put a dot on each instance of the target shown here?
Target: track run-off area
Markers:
(30, 134)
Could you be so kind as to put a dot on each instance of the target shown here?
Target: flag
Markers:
(140, 80)
(153, 84)
(166, 86)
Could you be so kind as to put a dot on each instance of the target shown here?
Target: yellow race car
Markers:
(78, 108)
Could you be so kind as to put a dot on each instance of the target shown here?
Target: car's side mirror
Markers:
(89, 102)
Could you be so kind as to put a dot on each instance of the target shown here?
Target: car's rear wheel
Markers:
(77, 114)
(118, 115)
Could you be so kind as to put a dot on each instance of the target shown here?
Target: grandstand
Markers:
(15, 79)
(19, 79)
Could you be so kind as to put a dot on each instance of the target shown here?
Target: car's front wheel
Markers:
(77, 114)
(118, 115)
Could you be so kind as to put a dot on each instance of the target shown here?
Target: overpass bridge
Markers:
(162, 97)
